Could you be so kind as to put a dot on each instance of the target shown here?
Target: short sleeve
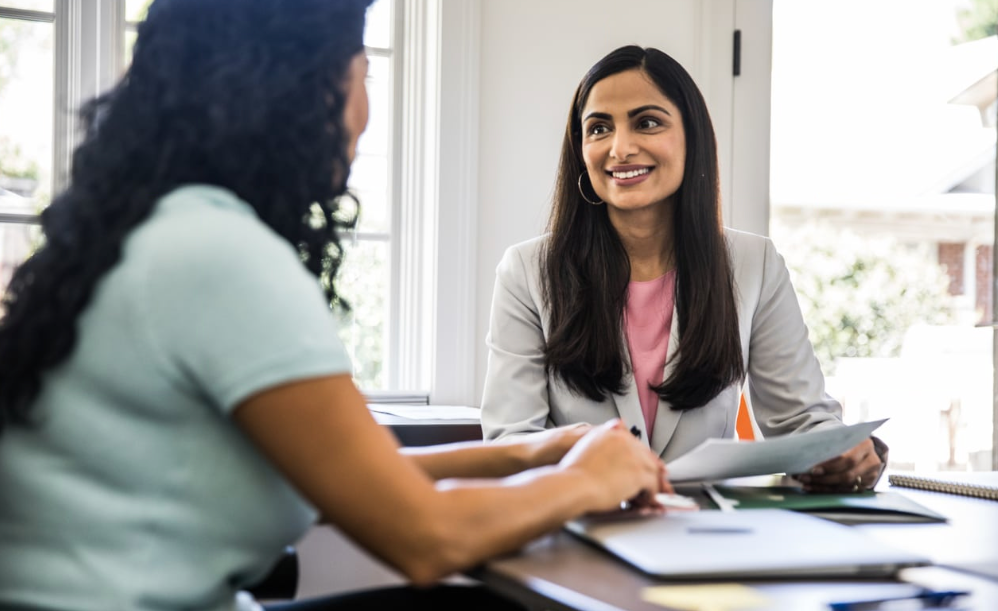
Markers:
(229, 307)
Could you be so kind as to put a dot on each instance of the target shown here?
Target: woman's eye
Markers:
(598, 129)
(648, 123)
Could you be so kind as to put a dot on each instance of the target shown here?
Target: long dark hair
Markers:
(247, 95)
(586, 270)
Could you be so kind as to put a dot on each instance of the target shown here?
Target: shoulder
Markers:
(745, 243)
(527, 250)
(202, 216)
(519, 273)
(523, 258)
(751, 253)
(205, 230)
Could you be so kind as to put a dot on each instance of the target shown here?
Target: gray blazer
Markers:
(785, 384)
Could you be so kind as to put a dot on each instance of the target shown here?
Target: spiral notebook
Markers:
(980, 484)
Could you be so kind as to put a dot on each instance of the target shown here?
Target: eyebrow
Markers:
(641, 109)
(630, 113)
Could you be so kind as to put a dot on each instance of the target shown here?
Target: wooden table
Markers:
(430, 431)
(561, 572)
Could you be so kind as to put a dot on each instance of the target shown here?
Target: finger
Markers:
(871, 469)
(817, 489)
(841, 463)
(613, 423)
(851, 481)
(664, 485)
(646, 500)
(843, 479)
(835, 465)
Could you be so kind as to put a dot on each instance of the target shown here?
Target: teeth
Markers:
(631, 173)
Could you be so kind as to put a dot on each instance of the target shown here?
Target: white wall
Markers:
(533, 54)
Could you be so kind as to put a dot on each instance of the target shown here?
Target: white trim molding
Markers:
(433, 342)
(751, 103)
(411, 304)
(455, 341)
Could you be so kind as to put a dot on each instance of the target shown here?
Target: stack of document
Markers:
(717, 459)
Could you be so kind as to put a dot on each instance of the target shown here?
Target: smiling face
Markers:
(633, 142)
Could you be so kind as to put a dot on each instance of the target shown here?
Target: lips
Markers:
(629, 174)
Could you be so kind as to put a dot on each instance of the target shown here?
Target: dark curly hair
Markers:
(247, 95)
(585, 268)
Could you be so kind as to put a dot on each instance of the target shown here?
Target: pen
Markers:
(722, 503)
(922, 600)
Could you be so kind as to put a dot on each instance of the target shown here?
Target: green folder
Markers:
(849, 508)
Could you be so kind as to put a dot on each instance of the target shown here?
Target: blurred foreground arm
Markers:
(320, 434)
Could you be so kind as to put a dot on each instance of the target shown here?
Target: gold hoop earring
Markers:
(582, 191)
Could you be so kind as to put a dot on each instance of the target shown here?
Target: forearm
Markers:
(487, 518)
(351, 469)
(500, 459)
(470, 460)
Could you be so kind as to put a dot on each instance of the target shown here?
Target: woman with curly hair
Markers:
(175, 405)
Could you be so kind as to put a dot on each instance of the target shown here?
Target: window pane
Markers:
(883, 204)
(378, 30)
(26, 94)
(135, 10)
(47, 6)
(373, 205)
(17, 241)
(363, 281)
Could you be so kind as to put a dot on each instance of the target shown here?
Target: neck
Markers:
(647, 235)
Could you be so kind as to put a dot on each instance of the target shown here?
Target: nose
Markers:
(624, 145)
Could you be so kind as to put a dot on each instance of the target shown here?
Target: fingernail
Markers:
(817, 471)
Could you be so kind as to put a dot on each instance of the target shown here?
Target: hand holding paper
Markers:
(716, 459)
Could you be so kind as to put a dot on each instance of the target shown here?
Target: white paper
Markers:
(716, 459)
(428, 412)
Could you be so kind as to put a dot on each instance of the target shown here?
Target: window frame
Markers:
(438, 344)
(89, 56)
(85, 64)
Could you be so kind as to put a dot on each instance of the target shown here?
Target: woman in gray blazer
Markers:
(638, 303)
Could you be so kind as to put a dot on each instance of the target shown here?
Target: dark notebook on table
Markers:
(848, 508)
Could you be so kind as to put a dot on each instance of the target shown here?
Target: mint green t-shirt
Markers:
(136, 490)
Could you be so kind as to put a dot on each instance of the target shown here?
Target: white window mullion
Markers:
(400, 40)
(412, 304)
(88, 59)
(456, 343)
(68, 87)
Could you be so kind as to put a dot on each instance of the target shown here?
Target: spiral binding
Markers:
(981, 491)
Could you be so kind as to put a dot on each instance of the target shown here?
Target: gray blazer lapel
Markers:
(667, 418)
(629, 405)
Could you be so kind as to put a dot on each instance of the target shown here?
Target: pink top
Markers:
(647, 323)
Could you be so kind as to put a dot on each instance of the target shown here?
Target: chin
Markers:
(631, 205)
